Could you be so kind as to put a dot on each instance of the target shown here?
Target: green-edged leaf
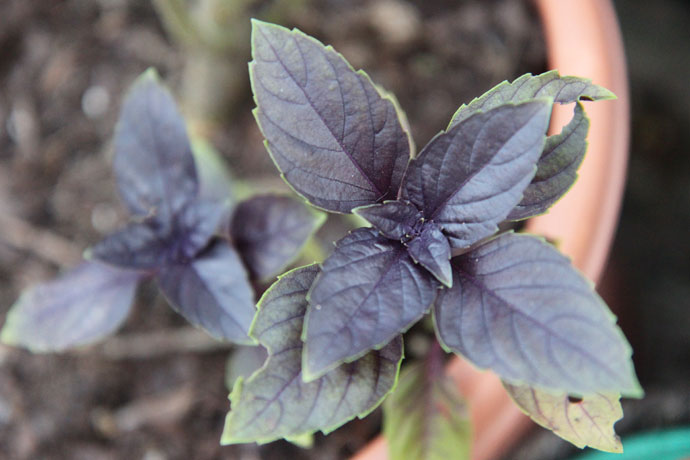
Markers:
(518, 307)
(369, 291)
(212, 292)
(563, 90)
(336, 140)
(556, 169)
(397, 220)
(426, 418)
(470, 177)
(80, 307)
(269, 232)
(586, 421)
(275, 402)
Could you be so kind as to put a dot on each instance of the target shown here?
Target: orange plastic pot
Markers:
(583, 38)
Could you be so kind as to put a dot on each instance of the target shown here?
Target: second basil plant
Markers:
(508, 302)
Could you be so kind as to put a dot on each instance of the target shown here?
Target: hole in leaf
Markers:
(574, 399)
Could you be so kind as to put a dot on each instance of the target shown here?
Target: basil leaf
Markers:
(470, 177)
(276, 402)
(556, 169)
(269, 232)
(550, 84)
(336, 140)
(518, 307)
(586, 422)
(396, 220)
(82, 306)
(432, 251)
(368, 292)
(153, 244)
(212, 292)
(426, 418)
(154, 166)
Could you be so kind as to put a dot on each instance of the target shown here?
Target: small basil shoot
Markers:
(507, 302)
(172, 237)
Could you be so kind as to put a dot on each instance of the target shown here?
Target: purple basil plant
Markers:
(182, 233)
(505, 301)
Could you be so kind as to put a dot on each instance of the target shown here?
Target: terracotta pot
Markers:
(583, 38)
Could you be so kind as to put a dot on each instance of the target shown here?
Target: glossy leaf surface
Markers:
(212, 292)
(153, 244)
(587, 422)
(432, 251)
(396, 220)
(335, 139)
(269, 232)
(80, 307)
(550, 84)
(276, 402)
(470, 177)
(153, 161)
(426, 418)
(369, 291)
(518, 307)
(556, 169)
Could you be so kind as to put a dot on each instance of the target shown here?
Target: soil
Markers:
(64, 65)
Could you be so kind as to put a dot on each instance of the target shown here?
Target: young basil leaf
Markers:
(153, 244)
(212, 292)
(336, 140)
(518, 306)
(137, 246)
(82, 306)
(396, 220)
(269, 232)
(432, 251)
(563, 90)
(556, 169)
(426, 418)
(470, 177)
(586, 422)
(153, 161)
(369, 290)
(276, 402)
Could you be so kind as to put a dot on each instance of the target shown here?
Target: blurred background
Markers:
(149, 393)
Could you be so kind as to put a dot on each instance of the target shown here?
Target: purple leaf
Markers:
(397, 220)
(80, 307)
(336, 140)
(276, 402)
(153, 161)
(556, 169)
(518, 307)
(432, 251)
(212, 292)
(369, 291)
(470, 177)
(153, 244)
(269, 232)
(563, 90)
